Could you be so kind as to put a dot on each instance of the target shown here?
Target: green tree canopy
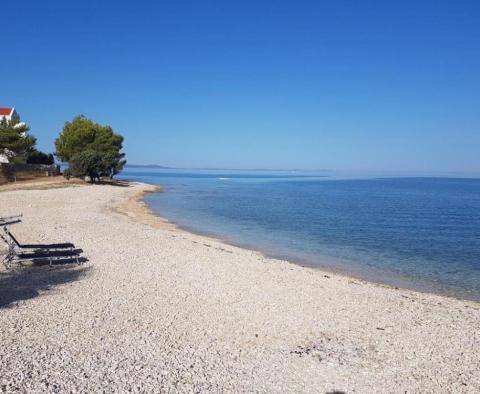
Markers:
(88, 162)
(90, 148)
(36, 157)
(14, 140)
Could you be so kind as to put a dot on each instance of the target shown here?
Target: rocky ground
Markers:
(157, 309)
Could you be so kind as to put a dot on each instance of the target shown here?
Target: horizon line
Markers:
(475, 173)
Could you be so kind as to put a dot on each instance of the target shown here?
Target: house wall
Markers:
(14, 115)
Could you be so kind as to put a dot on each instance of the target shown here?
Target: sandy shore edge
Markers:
(137, 209)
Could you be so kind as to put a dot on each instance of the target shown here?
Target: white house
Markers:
(9, 114)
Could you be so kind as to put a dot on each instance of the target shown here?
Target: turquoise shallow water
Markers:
(421, 233)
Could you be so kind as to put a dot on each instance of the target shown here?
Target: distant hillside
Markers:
(146, 166)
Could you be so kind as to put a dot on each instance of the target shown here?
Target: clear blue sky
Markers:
(365, 85)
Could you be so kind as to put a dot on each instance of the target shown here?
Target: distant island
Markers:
(147, 166)
(222, 169)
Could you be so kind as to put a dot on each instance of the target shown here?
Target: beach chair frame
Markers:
(18, 252)
(7, 220)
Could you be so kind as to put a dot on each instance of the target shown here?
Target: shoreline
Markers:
(157, 308)
(150, 216)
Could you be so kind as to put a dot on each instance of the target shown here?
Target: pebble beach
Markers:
(158, 309)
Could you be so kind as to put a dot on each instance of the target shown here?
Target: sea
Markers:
(421, 233)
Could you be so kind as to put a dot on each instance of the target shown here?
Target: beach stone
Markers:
(157, 309)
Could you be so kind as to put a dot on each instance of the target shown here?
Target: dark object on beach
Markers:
(37, 246)
(47, 255)
(18, 252)
(10, 220)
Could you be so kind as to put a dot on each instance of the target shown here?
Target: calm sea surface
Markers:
(420, 233)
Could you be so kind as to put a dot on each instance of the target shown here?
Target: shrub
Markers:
(37, 157)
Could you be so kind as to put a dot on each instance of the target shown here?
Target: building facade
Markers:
(9, 114)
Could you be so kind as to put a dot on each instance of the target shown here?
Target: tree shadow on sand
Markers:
(29, 282)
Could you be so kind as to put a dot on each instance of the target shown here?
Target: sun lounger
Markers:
(4, 220)
(18, 252)
(50, 257)
(11, 217)
(14, 241)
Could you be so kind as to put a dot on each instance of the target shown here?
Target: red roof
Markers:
(5, 111)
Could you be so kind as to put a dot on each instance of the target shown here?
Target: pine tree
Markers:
(14, 140)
